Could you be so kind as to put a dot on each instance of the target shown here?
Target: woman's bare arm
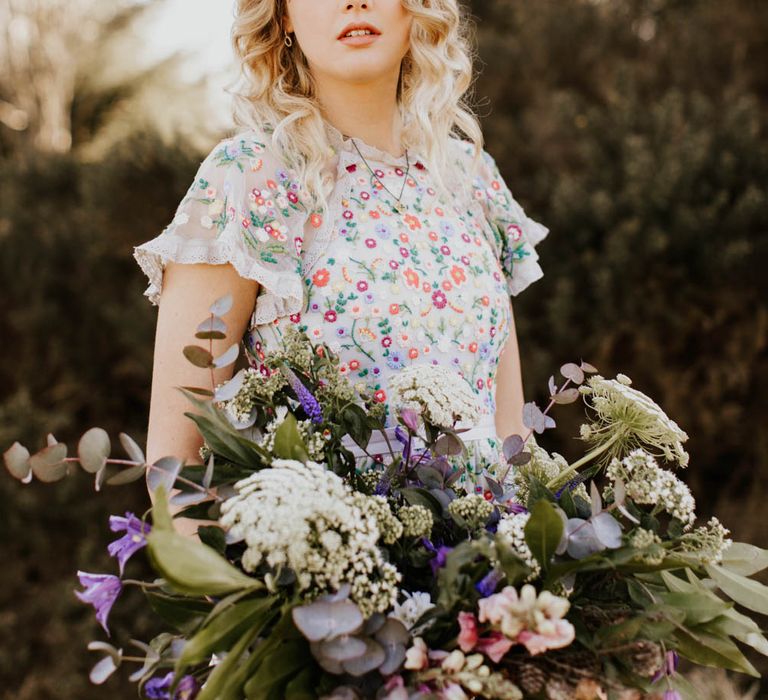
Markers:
(188, 291)
(509, 386)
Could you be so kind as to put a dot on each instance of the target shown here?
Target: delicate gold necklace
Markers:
(398, 207)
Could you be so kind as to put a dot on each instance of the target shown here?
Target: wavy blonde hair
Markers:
(278, 92)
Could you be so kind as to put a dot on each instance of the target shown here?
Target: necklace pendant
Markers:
(399, 207)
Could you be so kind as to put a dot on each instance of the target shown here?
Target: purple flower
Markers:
(516, 508)
(486, 586)
(133, 539)
(441, 553)
(159, 688)
(308, 402)
(672, 695)
(101, 591)
(410, 418)
(671, 660)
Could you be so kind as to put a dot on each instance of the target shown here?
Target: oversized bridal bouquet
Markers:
(547, 580)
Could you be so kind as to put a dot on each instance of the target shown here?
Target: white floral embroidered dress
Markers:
(382, 289)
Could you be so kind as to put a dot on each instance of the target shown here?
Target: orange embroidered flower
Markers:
(458, 274)
(413, 353)
(412, 221)
(411, 277)
(473, 346)
(439, 211)
(426, 287)
(380, 396)
(316, 220)
(447, 286)
(354, 364)
(433, 235)
(321, 277)
(394, 309)
(496, 185)
(485, 301)
(271, 184)
(374, 214)
(404, 237)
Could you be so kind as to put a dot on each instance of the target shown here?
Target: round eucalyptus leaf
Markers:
(102, 670)
(213, 327)
(131, 448)
(343, 648)
(229, 390)
(373, 657)
(127, 475)
(16, 459)
(168, 469)
(566, 396)
(198, 356)
(573, 372)
(587, 367)
(94, 449)
(227, 358)
(48, 464)
(512, 445)
(222, 305)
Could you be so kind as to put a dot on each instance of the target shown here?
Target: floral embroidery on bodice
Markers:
(382, 289)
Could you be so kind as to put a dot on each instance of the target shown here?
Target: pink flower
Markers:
(468, 634)
(494, 646)
(561, 635)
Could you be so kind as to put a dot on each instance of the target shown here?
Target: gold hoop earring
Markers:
(287, 40)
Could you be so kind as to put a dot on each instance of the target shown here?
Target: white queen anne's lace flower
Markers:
(412, 608)
(627, 418)
(647, 483)
(305, 517)
(441, 395)
(511, 529)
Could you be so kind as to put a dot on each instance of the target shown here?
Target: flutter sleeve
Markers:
(242, 208)
(514, 234)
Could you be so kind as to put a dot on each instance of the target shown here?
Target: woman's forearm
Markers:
(509, 386)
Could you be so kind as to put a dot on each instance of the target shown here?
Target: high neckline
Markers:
(340, 142)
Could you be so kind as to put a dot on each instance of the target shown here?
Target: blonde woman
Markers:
(348, 204)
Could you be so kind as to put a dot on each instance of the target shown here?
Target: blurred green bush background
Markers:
(634, 129)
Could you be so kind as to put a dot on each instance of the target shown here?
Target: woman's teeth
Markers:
(358, 32)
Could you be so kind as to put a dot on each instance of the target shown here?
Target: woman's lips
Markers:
(363, 40)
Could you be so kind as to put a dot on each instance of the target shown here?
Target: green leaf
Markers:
(223, 682)
(355, 420)
(194, 568)
(740, 627)
(286, 660)
(185, 614)
(712, 650)
(751, 594)
(161, 516)
(514, 568)
(421, 497)
(214, 537)
(224, 629)
(744, 559)
(94, 449)
(697, 608)
(301, 686)
(543, 532)
(288, 441)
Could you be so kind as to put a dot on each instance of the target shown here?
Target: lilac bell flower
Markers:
(133, 540)
(159, 688)
(672, 695)
(441, 554)
(101, 591)
(486, 586)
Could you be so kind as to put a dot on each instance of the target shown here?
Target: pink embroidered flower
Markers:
(438, 299)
